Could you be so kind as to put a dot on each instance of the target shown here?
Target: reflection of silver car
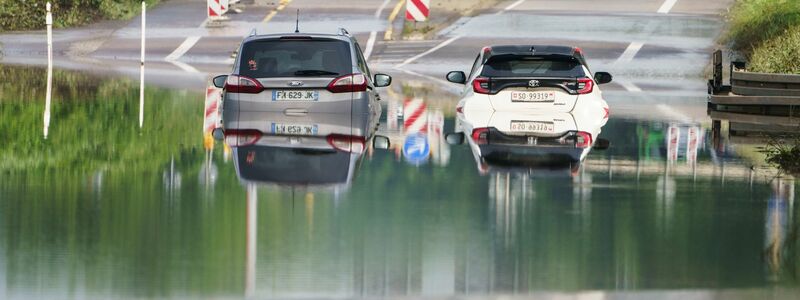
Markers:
(314, 150)
(300, 73)
(556, 141)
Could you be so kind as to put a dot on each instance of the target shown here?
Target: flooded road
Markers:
(103, 209)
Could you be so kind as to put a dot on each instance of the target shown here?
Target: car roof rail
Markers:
(253, 32)
(344, 32)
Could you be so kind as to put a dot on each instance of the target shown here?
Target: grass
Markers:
(30, 15)
(767, 32)
(785, 154)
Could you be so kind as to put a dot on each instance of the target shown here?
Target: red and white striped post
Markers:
(216, 8)
(418, 10)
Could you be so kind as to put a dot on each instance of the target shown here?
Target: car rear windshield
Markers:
(533, 66)
(295, 58)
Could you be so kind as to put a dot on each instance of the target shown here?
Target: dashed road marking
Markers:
(667, 6)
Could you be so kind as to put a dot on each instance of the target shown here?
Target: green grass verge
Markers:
(768, 33)
(30, 15)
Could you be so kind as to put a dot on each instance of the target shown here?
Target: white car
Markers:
(554, 142)
(528, 78)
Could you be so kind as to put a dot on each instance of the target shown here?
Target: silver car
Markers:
(299, 73)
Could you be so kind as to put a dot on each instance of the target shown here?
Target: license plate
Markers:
(292, 95)
(294, 129)
(532, 126)
(533, 96)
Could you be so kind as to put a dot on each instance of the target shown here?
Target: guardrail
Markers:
(750, 88)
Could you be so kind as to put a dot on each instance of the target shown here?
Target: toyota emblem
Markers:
(533, 83)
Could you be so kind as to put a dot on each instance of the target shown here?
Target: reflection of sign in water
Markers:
(416, 148)
(692, 143)
(673, 136)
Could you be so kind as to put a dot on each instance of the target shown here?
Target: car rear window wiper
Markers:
(314, 73)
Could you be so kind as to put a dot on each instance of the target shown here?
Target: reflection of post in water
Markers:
(250, 254)
(49, 23)
(141, 72)
(778, 224)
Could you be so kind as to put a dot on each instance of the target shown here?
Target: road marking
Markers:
(381, 8)
(183, 48)
(431, 50)
(629, 86)
(449, 87)
(388, 35)
(667, 6)
(510, 7)
(280, 7)
(630, 52)
(370, 44)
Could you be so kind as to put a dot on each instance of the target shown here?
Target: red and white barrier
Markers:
(418, 10)
(216, 8)
(415, 116)
(211, 112)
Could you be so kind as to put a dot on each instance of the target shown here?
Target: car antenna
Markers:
(297, 22)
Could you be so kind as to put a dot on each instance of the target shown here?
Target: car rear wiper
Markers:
(314, 73)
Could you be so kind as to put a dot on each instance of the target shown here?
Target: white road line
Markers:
(183, 48)
(184, 66)
(381, 8)
(629, 86)
(630, 52)
(431, 50)
(667, 6)
(446, 84)
(370, 44)
(510, 7)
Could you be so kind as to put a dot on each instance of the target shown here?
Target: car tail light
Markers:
(347, 143)
(348, 84)
(241, 137)
(585, 85)
(481, 85)
(583, 139)
(243, 84)
(480, 135)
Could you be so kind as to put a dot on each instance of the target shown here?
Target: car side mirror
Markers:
(601, 144)
(603, 77)
(457, 77)
(219, 81)
(218, 134)
(455, 138)
(382, 80)
(380, 142)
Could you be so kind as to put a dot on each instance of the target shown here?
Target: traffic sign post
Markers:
(418, 10)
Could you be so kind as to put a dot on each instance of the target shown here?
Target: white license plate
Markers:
(293, 95)
(294, 129)
(532, 126)
(533, 96)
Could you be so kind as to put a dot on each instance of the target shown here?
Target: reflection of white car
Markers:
(528, 78)
(557, 141)
(312, 150)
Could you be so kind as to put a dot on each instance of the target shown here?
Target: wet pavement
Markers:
(681, 204)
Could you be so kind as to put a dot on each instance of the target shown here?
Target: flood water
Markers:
(102, 208)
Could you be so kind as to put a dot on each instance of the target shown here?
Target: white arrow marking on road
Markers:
(667, 6)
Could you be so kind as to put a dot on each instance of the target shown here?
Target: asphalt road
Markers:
(657, 50)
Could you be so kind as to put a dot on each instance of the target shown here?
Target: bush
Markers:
(785, 154)
(779, 55)
(754, 22)
(27, 15)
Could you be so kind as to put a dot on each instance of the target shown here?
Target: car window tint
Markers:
(282, 58)
(524, 66)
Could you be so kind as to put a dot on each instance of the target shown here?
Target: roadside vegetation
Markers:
(30, 15)
(767, 33)
(785, 154)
